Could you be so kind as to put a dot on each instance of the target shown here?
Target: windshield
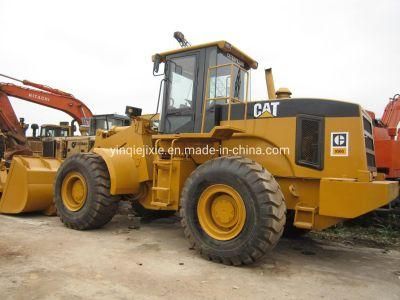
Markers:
(50, 132)
(64, 132)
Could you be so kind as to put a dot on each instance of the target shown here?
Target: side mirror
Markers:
(156, 65)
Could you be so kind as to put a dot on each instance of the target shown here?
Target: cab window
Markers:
(220, 79)
(181, 88)
(64, 132)
(182, 75)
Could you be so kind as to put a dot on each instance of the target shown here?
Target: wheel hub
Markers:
(74, 191)
(221, 212)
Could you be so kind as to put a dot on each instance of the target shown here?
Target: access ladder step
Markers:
(305, 217)
(162, 162)
(160, 204)
(159, 188)
(303, 225)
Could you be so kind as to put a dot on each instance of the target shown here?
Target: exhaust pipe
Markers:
(282, 93)
(269, 79)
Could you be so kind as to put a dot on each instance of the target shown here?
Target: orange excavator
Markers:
(387, 139)
(387, 144)
(13, 130)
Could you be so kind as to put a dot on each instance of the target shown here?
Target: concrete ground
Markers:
(41, 259)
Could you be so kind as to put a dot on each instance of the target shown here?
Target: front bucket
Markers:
(28, 186)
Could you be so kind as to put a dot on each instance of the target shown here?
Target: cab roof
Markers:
(116, 116)
(222, 45)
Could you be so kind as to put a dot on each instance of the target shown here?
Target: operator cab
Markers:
(105, 122)
(50, 131)
(196, 78)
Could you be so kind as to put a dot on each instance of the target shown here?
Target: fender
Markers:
(123, 170)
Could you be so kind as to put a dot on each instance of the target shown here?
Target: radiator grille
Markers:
(49, 148)
(309, 146)
(371, 160)
(367, 125)
(369, 144)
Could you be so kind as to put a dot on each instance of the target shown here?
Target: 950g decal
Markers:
(339, 144)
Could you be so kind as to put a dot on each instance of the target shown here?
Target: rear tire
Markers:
(82, 192)
(253, 191)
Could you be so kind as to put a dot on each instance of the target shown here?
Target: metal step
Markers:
(305, 217)
(162, 162)
(159, 188)
(160, 204)
(303, 225)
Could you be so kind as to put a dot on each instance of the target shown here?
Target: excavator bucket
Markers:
(28, 185)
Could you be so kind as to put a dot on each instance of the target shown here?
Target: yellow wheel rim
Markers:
(221, 212)
(74, 191)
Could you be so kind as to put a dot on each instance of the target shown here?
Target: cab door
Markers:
(181, 93)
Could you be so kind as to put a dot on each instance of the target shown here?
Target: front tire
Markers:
(232, 210)
(82, 192)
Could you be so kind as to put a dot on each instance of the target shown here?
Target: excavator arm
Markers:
(49, 97)
(8, 119)
(12, 136)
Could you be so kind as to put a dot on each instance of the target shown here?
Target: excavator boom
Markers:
(39, 86)
(64, 102)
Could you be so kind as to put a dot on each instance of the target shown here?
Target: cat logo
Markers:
(339, 144)
(266, 110)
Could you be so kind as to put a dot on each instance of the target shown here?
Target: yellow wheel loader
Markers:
(233, 168)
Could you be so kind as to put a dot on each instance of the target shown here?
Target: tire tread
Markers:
(269, 196)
